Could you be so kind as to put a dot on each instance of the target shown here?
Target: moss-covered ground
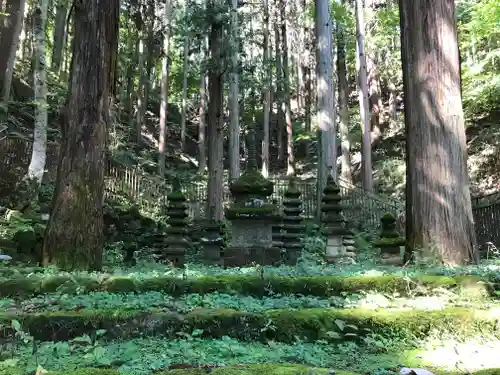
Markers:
(303, 320)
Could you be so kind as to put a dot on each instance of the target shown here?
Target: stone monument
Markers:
(251, 217)
(390, 242)
(292, 224)
(335, 226)
(178, 240)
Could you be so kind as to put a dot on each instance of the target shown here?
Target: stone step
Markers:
(288, 324)
(36, 284)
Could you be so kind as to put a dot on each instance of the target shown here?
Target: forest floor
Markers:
(287, 320)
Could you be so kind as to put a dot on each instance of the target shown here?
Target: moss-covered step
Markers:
(323, 286)
(281, 369)
(284, 325)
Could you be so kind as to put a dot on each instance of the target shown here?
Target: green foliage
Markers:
(478, 24)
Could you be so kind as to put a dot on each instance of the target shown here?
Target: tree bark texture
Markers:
(325, 98)
(39, 153)
(280, 116)
(74, 236)
(439, 214)
(346, 168)
(215, 120)
(290, 160)
(10, 30)
(267, 92)
(59, 35)
(162, 136)
(185, 74)
(202, 162)
(366, 149)
(234, 107)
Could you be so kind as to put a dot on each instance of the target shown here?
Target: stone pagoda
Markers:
(292, 224)
(178, 240)
(390, 242)
(212, 240)
(251, 217)
(335, 227)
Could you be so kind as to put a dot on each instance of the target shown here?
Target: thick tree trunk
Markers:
(74, 236)
(39, 152)
(366, 152)
(325, 96)
(439, 214)
(164, 90)
(267, 93)
(10, 30)
(59, 35)
(215, 120)
(346, 168)
(234, 110)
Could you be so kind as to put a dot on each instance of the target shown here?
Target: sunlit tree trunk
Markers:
(286, 92)
(267, 92)
(366, 152)
(140, 88)
(202, 163)
(39, 152)
(185, 73)
(346, 169)
(74, 235)
(438, 205)
(164, 90)
(234, 113)
(280, 126)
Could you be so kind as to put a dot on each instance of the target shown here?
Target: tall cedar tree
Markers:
(439, 212)
(74, 236)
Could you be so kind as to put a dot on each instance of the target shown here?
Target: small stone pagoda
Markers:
(212, 240)
(390, 242)
(292, 224)
(177, 241)
(252, 218)
(335, 227)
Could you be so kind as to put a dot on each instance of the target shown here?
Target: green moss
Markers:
(322, 286)
(384, 242)
(491, 371)
(307, 324)
(388, 217)
(252, 184)
(243, 212)
(119, 285)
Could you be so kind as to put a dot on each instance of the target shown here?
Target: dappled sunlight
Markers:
(472, 355)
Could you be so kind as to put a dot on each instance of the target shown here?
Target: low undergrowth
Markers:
(151, 355)
(439, 299)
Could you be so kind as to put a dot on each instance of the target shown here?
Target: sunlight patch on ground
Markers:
(375, 301)
(472, 355)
